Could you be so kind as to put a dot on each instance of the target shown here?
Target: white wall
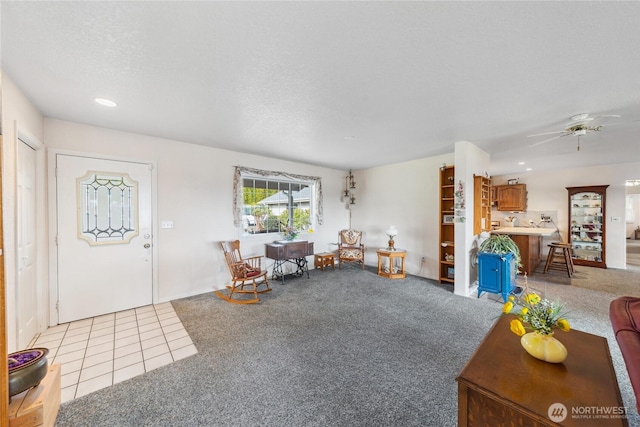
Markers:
(195, 188)
(20, 117)
(469, 161)
(195, 191)
(405, 195)
(547, 193)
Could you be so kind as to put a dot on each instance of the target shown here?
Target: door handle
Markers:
(147, 245)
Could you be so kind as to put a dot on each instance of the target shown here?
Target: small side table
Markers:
(324, 259)
(389, 269)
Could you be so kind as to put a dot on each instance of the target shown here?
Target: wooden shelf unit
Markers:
(447, 247)
(481, 204)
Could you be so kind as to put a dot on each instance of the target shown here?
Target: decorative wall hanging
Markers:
(459, 204)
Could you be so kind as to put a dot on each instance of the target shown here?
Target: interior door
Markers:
(104, 225)
(26, 292)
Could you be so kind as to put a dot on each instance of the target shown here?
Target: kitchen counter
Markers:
(529, 241)
(525, 231)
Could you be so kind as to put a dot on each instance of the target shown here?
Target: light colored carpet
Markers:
(343, 348)
(611, 280)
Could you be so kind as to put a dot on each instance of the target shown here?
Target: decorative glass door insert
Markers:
(107, 206)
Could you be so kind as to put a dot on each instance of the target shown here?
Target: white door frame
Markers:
(53, 221)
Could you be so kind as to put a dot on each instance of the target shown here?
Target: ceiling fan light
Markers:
(581, 116)
(105, 102)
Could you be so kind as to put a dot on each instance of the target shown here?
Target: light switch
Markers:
(166, 224)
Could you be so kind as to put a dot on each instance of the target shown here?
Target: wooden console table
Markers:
(503, 385)
(294, 252)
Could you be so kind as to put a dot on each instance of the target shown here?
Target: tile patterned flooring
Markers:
(101, 351)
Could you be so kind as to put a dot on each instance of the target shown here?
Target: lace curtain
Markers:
(237, 190)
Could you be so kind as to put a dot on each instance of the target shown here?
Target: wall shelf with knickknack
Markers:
(587, 233)
(447, 220)
(481, 204)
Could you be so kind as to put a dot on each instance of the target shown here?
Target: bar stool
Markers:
(562, 260)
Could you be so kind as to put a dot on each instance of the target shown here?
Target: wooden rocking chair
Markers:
(245, 273)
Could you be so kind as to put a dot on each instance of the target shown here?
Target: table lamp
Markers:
(392, 232)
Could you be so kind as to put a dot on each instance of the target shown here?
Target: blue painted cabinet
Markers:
(496, 274)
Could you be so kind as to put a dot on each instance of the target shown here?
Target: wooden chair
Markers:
(245, 273)
(350, 247)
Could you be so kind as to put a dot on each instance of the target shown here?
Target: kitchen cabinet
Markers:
(481, 204)
(511, 198)
(447, 212)
(587, 225)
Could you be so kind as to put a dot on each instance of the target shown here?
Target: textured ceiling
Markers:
(340, 84)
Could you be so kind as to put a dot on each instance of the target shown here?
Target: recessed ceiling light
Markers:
(528, 169)
(105, 102)
(521, 163)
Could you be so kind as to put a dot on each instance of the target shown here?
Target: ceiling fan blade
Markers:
(585, 119)
(606, 115)
(631, 123)
(547, 133)
(546, 140)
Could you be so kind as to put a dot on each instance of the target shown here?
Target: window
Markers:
(269, 206)
(268, 202)
(107, 208)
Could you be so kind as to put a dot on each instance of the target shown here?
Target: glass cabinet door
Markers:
(587, 225)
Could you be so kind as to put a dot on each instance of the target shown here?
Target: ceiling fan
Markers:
(580, 125)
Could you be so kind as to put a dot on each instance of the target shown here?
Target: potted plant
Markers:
(501, 244)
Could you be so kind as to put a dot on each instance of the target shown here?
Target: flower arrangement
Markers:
(533, 312)
(290, 233)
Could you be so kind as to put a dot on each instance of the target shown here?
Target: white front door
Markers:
(104, 221)
(27, 299)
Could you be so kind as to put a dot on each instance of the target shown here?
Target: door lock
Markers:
(147, 245)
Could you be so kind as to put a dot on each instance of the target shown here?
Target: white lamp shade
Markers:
(392, 231)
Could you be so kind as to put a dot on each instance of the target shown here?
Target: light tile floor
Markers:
(98, 352)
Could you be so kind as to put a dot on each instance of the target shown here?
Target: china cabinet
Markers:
(447, 212)
(587, 231)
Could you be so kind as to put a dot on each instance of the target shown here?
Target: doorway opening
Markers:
(632, 223)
